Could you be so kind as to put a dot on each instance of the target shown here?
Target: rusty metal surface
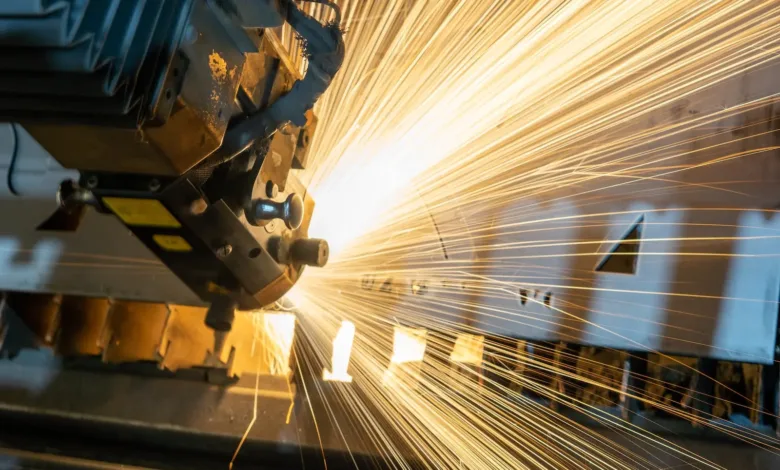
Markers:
(134, 331)
(171, 337)
(198, 123)
(186, 340)
(82, 321)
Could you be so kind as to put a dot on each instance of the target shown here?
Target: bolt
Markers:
(271, 189)
(286, 129)
(224, 251)
(154, 184)
(198, 206)
(92, 181)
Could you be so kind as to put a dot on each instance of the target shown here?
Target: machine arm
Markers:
(186, 121)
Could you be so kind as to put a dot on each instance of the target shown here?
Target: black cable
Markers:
(336, 9)
(12, 163)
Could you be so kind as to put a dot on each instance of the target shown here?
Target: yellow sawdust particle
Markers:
(218, 66)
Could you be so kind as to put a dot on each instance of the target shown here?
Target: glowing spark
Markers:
(342, 349)
(280, 331)
(408, 345)
(462, 137)
(408, 353)
(468, 349)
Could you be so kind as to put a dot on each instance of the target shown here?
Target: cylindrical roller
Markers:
(310, 251)
(221, 313)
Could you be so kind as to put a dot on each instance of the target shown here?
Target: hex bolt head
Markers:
(198, 206)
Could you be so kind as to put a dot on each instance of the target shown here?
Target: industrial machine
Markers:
(186, 120)
(150, 153)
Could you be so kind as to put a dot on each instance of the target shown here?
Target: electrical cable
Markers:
(12, 162)
(332, 6)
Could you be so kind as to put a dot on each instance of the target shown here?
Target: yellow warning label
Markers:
(171, 242)
(145, 212)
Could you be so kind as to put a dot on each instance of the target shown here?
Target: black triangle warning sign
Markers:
(624, 255)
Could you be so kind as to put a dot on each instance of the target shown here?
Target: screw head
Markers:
(198, 206)
(224, 251)
(154, 184)
(286, 129)
(92, 181)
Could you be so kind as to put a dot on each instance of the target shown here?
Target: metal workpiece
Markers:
(290, 211)
(191, 343)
